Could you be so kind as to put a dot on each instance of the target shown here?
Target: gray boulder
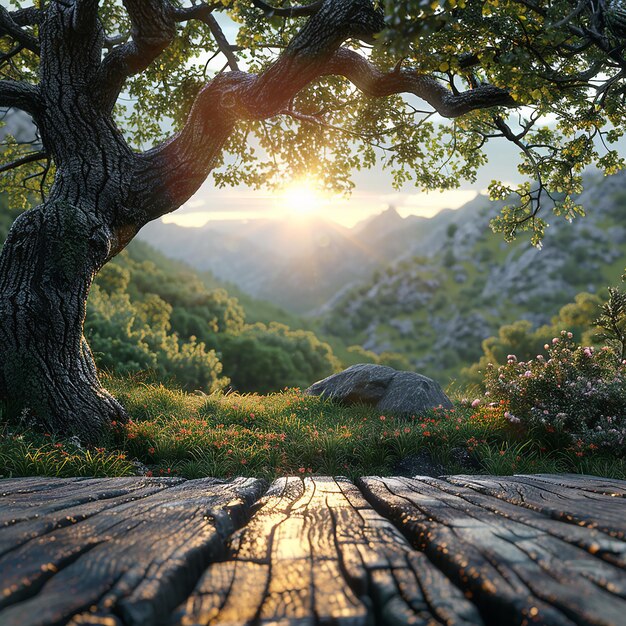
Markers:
(387, 389)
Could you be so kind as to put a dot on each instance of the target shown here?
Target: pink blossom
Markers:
(528, 373)
(475, 403)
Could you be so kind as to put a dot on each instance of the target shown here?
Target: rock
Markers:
(382, 387)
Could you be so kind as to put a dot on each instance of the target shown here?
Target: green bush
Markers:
(575, 397)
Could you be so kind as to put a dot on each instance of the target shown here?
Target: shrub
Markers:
(574, 395)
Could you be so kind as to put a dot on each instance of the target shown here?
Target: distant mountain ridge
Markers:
(429, 288)
(297, 263)
(451, 289)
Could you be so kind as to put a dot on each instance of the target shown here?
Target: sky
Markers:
(372, 194)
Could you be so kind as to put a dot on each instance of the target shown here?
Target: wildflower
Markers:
(149, 474)
(475, 403)
(302, 470)
(528, 374)
(382, 418)
(546, 346)
(511, 358)
(151, 450)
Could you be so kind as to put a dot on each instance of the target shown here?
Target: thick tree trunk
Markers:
(46, 368)
(103, 193)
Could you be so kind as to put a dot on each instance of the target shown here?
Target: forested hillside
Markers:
(454, 296)
(149, 314)
(430, 289)
(444, 295)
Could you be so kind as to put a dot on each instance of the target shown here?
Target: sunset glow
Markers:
(301, 198)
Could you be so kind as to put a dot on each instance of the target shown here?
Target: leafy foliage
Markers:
(148, 313)
(576, 395)
(525, 341)
(612, 321)
(564, 67)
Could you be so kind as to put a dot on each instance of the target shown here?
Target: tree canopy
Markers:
(137, 102)
(559, 65)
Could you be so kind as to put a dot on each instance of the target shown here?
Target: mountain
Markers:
(297, 263)
(456, 282)
(300, 264)
(431, 289)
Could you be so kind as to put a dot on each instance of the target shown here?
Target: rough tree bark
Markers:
(103, 192)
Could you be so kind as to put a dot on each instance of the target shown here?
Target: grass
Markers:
(193, 435)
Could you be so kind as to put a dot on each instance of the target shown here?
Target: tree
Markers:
(314, 96)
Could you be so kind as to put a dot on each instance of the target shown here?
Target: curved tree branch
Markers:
(153, 29)
(300, 11)
(8, 26)
(28, 16)
(170, 173)
(29, 158)
(371, 81)
(203, 13)
(20, 95)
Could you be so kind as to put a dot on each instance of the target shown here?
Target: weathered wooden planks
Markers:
(606, 486)
(513, 571)
(464, 550)
(136, 559)
(567, 504)
(591, 540)
(316, 552)
(19, 527)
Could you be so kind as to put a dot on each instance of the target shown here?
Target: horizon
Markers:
(347, 212)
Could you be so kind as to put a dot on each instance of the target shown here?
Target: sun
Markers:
(301, 198)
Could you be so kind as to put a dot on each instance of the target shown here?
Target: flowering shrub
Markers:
(574, 392)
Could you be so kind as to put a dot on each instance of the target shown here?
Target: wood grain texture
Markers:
(34, 515)
(607, 486)
(460, 550)
(567, 504)
(137, 559)
(317, 553)
(512, 571)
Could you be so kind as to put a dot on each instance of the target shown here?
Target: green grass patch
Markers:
(193, 435)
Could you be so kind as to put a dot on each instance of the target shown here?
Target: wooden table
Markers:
(542, 549)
